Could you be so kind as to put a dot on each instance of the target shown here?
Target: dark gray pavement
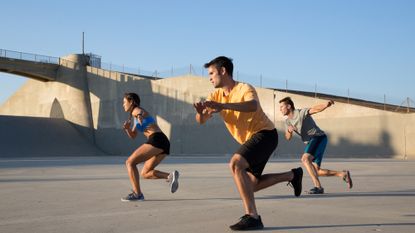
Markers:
(82, 194)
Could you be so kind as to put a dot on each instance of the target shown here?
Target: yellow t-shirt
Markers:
(242, 125)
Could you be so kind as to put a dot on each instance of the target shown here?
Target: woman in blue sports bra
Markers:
(151, 152)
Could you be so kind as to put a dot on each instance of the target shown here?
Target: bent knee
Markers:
(306, 158)
(130, 162)
(147, 174)
(237, 163)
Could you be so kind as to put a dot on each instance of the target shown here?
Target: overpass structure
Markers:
(71, 106)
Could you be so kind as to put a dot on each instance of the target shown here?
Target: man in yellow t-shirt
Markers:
(238, 105)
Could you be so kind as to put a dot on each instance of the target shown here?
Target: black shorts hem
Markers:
(258, 149)
(160, 141)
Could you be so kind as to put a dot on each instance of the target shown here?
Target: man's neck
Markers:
(290, 115)
(227, 88)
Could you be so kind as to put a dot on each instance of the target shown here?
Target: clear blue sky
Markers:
(366, 46)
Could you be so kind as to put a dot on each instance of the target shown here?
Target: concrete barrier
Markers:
(91, 99)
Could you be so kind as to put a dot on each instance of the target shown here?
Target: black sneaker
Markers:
(247, 223)
(316, 190)
(296, 182)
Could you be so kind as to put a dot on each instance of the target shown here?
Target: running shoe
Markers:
(133, 197)
(348, 179)
(296, 182)
(173, 179)
(247, 222)
(316, 190)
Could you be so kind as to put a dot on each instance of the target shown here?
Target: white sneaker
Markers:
(174, 181)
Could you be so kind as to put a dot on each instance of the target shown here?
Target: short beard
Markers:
(219, 84)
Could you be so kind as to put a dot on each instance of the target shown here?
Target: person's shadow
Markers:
(375, 225)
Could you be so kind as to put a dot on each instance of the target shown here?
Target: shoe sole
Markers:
(247, 229)
(300, 174)
(125, 200)
(349, 180)
(175, 182)
(310, 193)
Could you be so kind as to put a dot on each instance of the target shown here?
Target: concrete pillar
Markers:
(74, 98)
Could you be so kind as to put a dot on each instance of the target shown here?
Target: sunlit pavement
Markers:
(82, 194)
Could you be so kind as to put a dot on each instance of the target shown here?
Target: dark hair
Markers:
(135, 101)
(220, 62)
(287, 100)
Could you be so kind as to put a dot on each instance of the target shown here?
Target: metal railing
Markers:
(29, 56)
(173, 71)
(255, 80)
(316, 91)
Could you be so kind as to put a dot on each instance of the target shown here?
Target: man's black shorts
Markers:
(258, 149)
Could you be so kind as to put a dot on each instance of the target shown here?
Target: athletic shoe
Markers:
(173, 179)
(316, 190)
(296, 182)
(348, 179)
(133, 197)
(247, 223)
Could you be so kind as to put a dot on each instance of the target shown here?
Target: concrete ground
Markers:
(82, 194)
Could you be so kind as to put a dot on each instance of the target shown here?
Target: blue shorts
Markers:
(316, 147)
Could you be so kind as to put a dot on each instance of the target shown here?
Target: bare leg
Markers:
(238, 166)
(143, 153)
(268, 180)
(326, 172)
(307, 161)
(342, 174)
(148, 171)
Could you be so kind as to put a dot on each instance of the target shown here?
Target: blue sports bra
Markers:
(144, 124)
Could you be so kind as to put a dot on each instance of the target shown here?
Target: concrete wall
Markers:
(354, 131)
(91, 99)
(67, 97)
(169, 100)
(42, 136)
(409, 135)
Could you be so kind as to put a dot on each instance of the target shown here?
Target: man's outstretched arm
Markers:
(320, 107)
